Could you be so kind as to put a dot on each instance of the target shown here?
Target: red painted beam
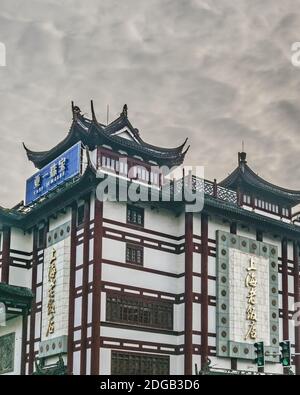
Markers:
(297, 300)
(204, 289)
(97, 271)
(72, 289)
(188, 311)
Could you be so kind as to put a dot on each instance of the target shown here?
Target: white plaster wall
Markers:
(21, 241)
(115, 211)
(136, 278)
(20, 277)
(178, 322)
(76, 363)
(113, 250)
(196, 317)
(164, 261)
(162, 220)
(128, 334)
(60, 220)
(197, 224)
(196, 262)
(176, 364)
(214, 224)
(105, 364)
(211, 266)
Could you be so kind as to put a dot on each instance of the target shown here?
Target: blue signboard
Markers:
(63, 168)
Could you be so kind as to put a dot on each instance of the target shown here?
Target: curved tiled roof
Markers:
(243, 173)
(92, 133)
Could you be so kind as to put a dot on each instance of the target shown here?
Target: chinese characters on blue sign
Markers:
(63, 168)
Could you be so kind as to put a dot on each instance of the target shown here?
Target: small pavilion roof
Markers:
(244, 176)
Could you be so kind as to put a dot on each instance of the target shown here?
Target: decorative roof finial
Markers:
(242, 155)
(75, 110)
(93, 112)
(125, 111)
(242, 158)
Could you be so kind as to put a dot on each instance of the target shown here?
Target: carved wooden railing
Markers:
(210, 188)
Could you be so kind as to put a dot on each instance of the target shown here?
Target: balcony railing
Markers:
(210, 188)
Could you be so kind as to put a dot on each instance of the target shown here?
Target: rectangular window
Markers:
(138, 311)
(285, 212)
(128, 363)
(135, 215)
(134, 254)
(80, 215)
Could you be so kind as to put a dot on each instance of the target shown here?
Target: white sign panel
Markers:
(249, 310)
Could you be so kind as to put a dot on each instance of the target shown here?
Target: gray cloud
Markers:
(218, 72)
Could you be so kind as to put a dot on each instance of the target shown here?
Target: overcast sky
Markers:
(216, 71)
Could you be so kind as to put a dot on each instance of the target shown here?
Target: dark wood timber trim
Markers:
(142, 268)
(5, 255)
(285, 297)
(85, 287)
(138, 345)
(24, 341)
(143, 230)
(204, 289)
(97, 269)
(188, 311)
(72, 289)
(297, 300)
(149, 294)
(35, 260)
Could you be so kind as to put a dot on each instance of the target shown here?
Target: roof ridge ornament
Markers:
(124, 112)
(75, 111)
(93, 112)
(242, 157)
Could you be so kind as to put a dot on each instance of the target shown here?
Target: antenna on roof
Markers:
(107, 114)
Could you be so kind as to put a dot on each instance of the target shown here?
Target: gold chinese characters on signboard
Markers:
(51, 293)
(251, 284)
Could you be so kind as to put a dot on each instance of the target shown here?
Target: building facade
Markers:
(93, 286)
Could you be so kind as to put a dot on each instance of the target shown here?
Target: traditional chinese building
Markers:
(144, 287)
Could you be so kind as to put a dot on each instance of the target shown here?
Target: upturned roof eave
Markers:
(245, 175)
(83, 129)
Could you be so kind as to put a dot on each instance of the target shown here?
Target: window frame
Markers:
(132, 363)
(137, 249)
(139, 211)
(139, 311)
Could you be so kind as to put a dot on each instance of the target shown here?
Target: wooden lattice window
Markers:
(135, 215)
(139, 311)
(134, 254)
(123, 363)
